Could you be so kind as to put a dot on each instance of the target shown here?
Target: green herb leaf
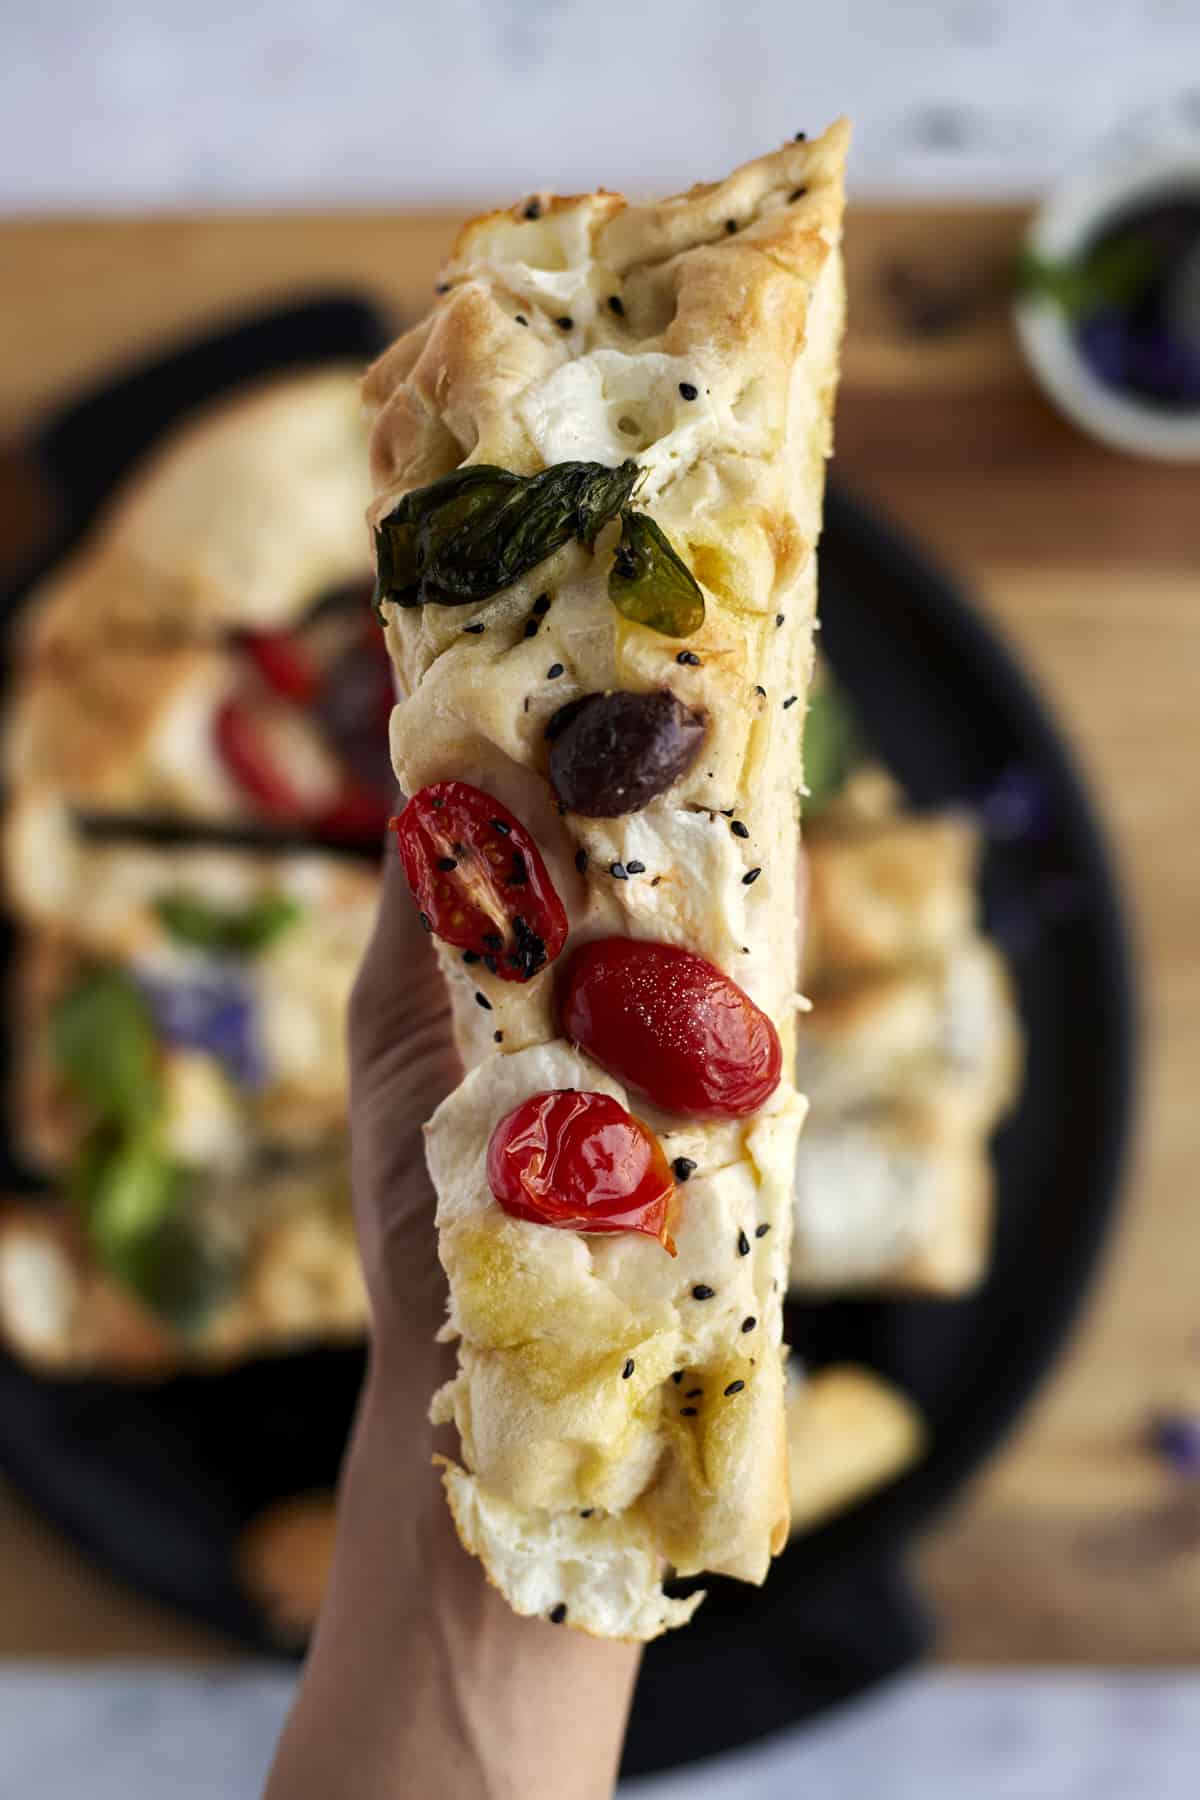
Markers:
(833, 745)
(235, 931)
(650, 583)
(102, 1038)
(467, 536)
(1113, 274)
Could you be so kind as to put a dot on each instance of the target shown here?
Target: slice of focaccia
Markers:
(599, 465)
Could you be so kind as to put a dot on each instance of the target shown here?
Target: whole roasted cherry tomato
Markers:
(479, 879)
(284, 664)
(671, 1025)
(580, 1162)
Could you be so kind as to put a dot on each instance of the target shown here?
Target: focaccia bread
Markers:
(849, 1432)
(618, 1407)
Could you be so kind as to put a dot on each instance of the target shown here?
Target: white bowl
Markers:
(1062, 227)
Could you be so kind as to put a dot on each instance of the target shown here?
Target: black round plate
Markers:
(157, 1483)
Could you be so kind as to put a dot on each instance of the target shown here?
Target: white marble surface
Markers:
(131, 1733)
(136, 103)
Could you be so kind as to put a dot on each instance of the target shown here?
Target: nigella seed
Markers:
(541, 605)
(689, 659)
(581, 861)
(566, 323)
(554, 671)
(491, 965)
(693, 1393)
(627, 1371)
(762, 1230)
(750, 877)
(800, 137)
(533, 210)
(587, 1512)
(501, 825)
(446, 863)
(761, 691)
(778, 620)
(616, 305)
(618, 871)
(749, 1323)
(426, 921)
(474, 630)
(531, 628)
(492, 940)
(731, 226)
(497, 1037)
(559, 1613)
(635, 868)
(790, 701)
(470, 956)
(482, 1000)
(441, 287)
(735, 1387)
(796, 194)
(521, 319)
(688, 1412)
(677, 1377)
(683, 1168)
(743, 1244)
(702, 1292)
(689, 390)
(739, 830)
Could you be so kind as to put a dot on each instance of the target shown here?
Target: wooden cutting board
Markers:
(1076, 1546)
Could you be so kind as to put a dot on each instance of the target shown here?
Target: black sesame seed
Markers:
(492, 940)
(762, 1230)
(796, 194)
(750, 877)
(701, 1292)
(749, 1323)
(627, 1371)
(490, 964)
(656, 881)
(616, 305)
(635, 868)
(735, 1387)
(470, 956)
(687, 1412)
(618, 871)
(566, 323)
(760, 690)
(800, 137)
(474, 630)
(683, 1168)
(790, 701)
(541, 605)
(581, 861)
(689, 659)
(587, 1512)
(446, 863)
(743, 1244)
(693, 1393)
(559, 1613)
(731, 226)
(482, 1000)
(531, 628)
(677, 1377)
(739, 830)
(426, 921)
(521, 319)
(689, 390)
(533, 210)
(497, 1037)
(554, 671)
(520, 870)
(501, 825)
(745, 949)
(778, 620)
(441, 287)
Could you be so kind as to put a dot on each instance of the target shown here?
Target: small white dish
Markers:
(1062, 227)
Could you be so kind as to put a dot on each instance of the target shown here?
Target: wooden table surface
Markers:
(1076, 1545)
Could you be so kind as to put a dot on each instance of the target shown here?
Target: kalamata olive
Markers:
(613, 753)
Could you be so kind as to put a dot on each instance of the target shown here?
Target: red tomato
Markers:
(248, 757)
(671, 1025)
(356, 814)
(284, 664)
(582, 1163)
(479, 879)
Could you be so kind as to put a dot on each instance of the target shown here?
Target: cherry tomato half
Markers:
(247, 754)
(284, 664)
(479, 879)
(671, 1025)
(582, 1163)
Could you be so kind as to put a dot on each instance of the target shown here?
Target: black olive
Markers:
(613, 753)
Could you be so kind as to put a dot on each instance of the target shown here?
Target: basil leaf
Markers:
(183, 1273)
(239, 931)
(467, 536)
(102, 1038)
(1112, 274)
(650, 583)
(833, 745)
